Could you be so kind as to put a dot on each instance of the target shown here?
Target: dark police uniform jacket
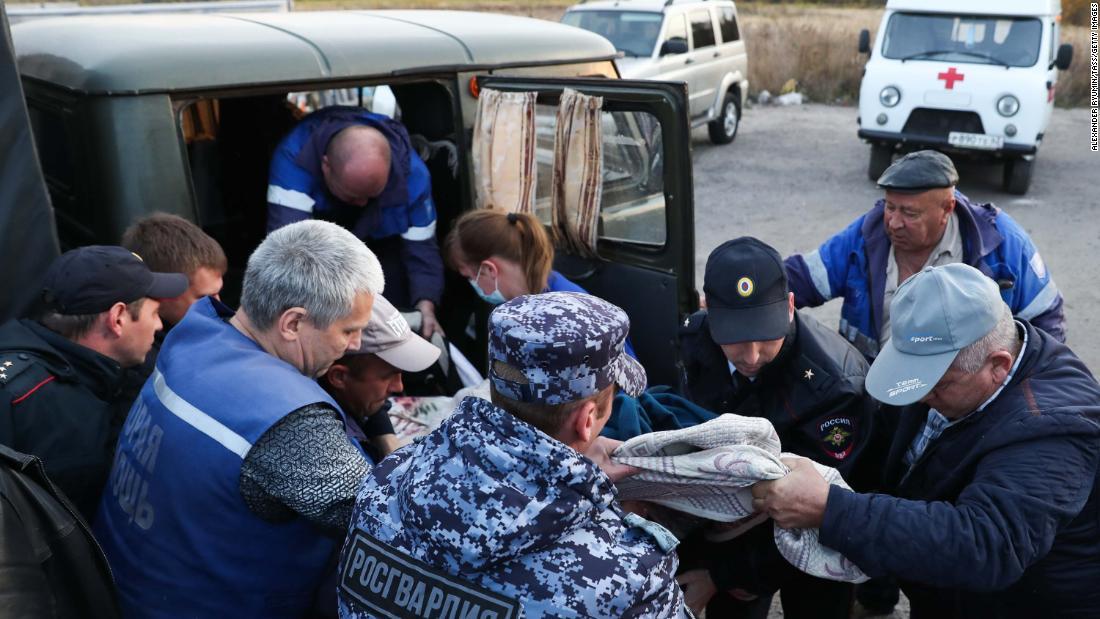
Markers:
(51, 565)
(64, 403)
(813, 394)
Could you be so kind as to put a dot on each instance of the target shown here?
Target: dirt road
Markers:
(796, 175)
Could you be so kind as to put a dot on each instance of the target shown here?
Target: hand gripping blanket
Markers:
(706, 471)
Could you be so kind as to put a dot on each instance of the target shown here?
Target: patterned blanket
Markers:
(707, 470)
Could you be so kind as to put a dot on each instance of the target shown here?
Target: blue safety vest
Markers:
(178, 535)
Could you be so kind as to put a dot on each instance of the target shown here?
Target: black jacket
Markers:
(812, 392)
(1000, 516)
(50, 565)
(63, 403)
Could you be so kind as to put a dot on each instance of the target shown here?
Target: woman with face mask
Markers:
(505, 255)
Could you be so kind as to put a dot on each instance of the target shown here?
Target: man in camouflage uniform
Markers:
(499, 513)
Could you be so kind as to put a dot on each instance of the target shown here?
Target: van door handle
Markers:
(689, 61)
(716, 54)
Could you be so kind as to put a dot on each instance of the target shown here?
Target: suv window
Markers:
(633, 206)
(727, 22)
(702, 29)
(677, 29)
(632, 32)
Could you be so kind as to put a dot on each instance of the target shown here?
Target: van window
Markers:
(727, 22)
(702, 29)
(54, 144)
(632, 32)
(632, 209)
(378, 99)
(1004, 41)
(54, 133)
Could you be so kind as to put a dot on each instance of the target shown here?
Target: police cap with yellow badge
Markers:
(746, 291)
(89, 280)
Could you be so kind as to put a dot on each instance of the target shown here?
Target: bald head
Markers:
(356, 164)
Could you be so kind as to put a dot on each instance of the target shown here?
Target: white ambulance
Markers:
(968, 77)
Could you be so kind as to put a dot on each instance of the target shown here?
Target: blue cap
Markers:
(935, 314)
(568, 346)
(89, 280)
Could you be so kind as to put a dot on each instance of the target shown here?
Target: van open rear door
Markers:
(646, 233)
(28, 242)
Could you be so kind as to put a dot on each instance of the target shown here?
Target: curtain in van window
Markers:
(504, 151)
(578, 172)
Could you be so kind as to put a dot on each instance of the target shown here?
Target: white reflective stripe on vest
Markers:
(1041, 302)
(419, 233)
(289, 198)
(197, 419)
(818, 273)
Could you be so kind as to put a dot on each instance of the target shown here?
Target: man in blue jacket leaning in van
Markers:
(922, 221)
(357, 169)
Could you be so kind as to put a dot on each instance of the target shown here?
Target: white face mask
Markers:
(493, 298)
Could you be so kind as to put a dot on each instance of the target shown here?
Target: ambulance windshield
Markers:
(1007, 41)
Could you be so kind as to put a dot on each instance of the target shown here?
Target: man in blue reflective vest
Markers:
(922, 221)
(358, 169)
(234, 478)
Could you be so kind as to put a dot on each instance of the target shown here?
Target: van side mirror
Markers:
(865, 41)
(674, 46)
(1064, 57)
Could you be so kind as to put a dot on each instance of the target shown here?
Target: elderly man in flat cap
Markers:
(994, 469)
(923, 220)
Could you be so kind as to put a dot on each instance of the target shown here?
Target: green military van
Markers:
(181, 113)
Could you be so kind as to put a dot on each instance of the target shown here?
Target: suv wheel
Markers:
(1017, 176)
(882, 155)
(723, 129)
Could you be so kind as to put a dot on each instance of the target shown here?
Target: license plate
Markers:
(975, 140)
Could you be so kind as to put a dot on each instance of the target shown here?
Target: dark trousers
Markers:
(803, 597)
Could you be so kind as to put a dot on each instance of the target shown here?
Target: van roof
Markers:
(1035, 8)
(129, 54)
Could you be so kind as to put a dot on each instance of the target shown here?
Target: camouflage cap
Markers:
(568, 345)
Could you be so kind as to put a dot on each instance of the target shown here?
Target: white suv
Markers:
(696, 42)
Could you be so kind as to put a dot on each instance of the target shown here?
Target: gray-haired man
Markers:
(497, 513)
(994, 462)
(234, 463)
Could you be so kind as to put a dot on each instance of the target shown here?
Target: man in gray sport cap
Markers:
(995, 462)
(922, 221)
(509, 506)
(363, 380)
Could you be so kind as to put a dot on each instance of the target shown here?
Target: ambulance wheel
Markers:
(882, 155)
(1017, 178)
(723, 129)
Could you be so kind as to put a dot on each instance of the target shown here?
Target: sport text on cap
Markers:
(935, 314)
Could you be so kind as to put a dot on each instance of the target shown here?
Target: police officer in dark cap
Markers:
(62, 376)
(751, 353)
(922, 221)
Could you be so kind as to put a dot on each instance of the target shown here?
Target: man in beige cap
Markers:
(362, 381)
